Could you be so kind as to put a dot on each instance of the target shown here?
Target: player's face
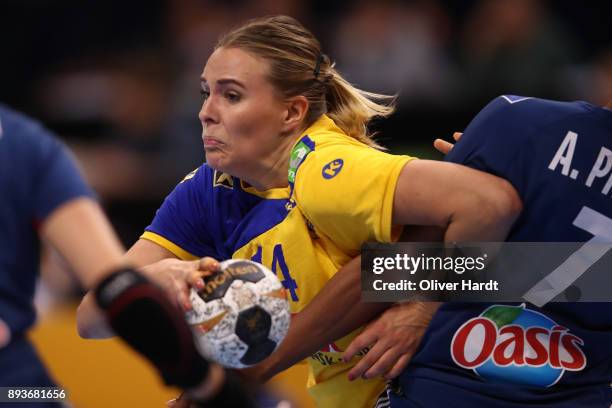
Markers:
(241, 114)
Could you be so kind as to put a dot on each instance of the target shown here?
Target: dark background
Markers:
(119, 80)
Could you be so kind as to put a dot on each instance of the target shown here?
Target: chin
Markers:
(216, 160)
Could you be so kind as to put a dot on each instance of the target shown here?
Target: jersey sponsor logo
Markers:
(5, 334)
(331, 169)
(223, 180)
(298, 154)
(512, 344)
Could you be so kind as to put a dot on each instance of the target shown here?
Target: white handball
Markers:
(241, 315)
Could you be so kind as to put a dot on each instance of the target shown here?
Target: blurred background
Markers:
(119, 82)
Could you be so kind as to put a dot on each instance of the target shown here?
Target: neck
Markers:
(273, 171)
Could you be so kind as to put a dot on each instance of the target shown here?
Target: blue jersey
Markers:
(558, 156)
(36, 176)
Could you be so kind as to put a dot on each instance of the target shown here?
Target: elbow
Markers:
(503, 207)
(82, 328)
(510, 205)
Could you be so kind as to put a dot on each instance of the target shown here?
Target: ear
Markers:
(296, 109)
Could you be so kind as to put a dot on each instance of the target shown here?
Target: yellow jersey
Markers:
(340, 195)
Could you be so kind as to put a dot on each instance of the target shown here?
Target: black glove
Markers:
(142, 315)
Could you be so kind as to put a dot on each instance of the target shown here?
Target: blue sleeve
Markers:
(44, 166)
(495, 138)
(60, 180)
(181, 220)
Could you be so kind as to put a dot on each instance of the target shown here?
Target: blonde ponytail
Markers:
(352, 109)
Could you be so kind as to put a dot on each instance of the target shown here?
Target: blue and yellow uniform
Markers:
(340, 195)
(37, 175)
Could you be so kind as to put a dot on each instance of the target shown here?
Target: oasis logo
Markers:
(517, 345)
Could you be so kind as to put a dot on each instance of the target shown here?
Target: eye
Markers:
(232, 96)
(205, 93)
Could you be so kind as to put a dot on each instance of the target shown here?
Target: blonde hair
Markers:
(298, 67)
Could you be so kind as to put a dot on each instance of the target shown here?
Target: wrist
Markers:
(432, 306)
(428, 310)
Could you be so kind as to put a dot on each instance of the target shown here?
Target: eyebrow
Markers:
(225, 81)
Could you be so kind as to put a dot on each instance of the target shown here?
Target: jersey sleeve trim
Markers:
(170, 246)
(390, 232)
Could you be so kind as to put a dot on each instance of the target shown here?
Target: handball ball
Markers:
(241, 315)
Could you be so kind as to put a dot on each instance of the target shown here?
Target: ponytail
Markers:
(352, 109)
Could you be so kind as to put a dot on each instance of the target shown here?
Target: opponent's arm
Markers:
(91, 322)
(162, 267)
(155, 261)
(80, 231)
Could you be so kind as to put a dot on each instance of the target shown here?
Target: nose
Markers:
(208, 113)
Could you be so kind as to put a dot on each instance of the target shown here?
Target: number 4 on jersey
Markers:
(278, 258)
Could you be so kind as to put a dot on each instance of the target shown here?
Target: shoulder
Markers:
(337, 168)
(327, 160)
(336, 153)
(340, 168)
(325, 144)
(195, 185)
(205, 177)
(508, 125)
(17, 122)
(329, 152)
(523, 113)
(34, 152)
(26, 135)
(207, 188)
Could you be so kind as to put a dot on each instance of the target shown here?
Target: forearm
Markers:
(80, 231)
(91, 323)
(333, 313)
